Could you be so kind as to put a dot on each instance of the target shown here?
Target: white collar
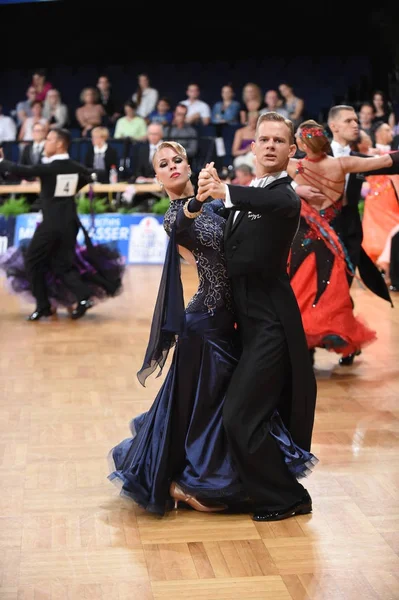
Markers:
(337, 148)
(57, 157)
(383, 147)
(267, 179)
(101, 150)
(38, 144)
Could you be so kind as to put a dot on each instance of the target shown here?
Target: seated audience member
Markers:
(25, 133)
(162, 114)
(243, 175)
(180, 132)
(366, 117)
(41, 85)
(226, 110)
(198, 111)
(131, 125)
(243, 138)
(145, 96)
(54, 110)
(107, 99)
(272, 104)
(24, 108)
(33, 153)
(91, 113)
(100, 156)
(8, 128)
(383, 109)
(383, 137)
(252, 100)
(293, 105)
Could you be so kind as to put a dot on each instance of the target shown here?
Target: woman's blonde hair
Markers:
(313, 136)
(178, 148)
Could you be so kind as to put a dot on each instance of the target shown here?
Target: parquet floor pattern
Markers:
(67, 393)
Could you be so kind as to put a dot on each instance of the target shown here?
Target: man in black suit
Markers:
(53, 243)
(344, 125)
(100, 156)
(274, 371)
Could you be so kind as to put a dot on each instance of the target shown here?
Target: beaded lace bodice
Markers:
(203, 236)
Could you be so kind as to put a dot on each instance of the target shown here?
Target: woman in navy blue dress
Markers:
(178, 449)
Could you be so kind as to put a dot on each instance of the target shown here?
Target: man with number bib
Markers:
(53, 243)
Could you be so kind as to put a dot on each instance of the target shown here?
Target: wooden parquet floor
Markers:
(67, 393)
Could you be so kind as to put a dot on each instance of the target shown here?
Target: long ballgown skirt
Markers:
(101, 266)
(318, 272)
(181, 438)
(381, 212)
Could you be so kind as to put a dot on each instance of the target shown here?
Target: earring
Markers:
(160, 183)
(189, 174)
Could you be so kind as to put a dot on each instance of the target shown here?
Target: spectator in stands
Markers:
(54, 110)
(226, 110)
(272, 104)
(163, 113)
(131, 125)
(107, 98)
(144, 169)
(252, 100)
(180, 132)
(366, 117)
(243, 175)
(24, 108)
(383, 109)
(294, 105)
(8, 128)
(32, 154)
(145, 96)
(41, 85)
(100, 156)
(363, 144)
(383, 137)
(91, 113)
(198, 111)
(243, 138)
(26, 131)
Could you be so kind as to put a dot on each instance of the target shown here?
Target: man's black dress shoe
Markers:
(39, 313)
(302, 507)
(81, 308)
(347, 361)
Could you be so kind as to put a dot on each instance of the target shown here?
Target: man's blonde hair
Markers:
(274, 116)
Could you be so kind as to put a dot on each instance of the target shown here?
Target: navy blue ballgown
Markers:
(181, 438)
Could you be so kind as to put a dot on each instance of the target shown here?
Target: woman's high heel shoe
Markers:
(180, 496)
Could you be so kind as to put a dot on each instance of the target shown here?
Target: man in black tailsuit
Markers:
(344, 125)
(275, 370)
(54, 240)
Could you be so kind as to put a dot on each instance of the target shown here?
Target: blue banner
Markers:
(7, 228)
(140, 237)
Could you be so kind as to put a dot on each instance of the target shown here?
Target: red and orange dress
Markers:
(318, 270)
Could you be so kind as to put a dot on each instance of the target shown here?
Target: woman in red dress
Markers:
(319, 264)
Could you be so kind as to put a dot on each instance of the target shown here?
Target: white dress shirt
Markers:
(338, 150)
(257, 182)
(8, 129)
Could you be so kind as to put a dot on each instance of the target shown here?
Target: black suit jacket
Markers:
(110, 159)
(259, 240)
(27, 157)
(143, 166)
(257, 247)
(60, 181)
